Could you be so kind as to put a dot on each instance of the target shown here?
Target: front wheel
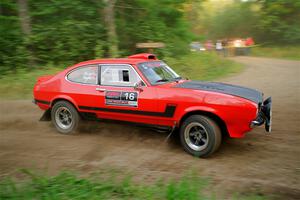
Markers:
(200, 135)
(65, 117)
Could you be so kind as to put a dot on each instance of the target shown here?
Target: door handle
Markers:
(101, 89)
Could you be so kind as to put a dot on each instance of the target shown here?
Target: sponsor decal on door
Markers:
(118, 98)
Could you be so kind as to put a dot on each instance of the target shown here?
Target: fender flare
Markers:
(210, 112)
(63, 97)
(198, 109)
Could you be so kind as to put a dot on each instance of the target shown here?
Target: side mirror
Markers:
(138, 86)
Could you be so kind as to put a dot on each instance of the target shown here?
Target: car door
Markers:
(120, 100)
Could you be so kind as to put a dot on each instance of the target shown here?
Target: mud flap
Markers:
(46, 116)
(267, 110)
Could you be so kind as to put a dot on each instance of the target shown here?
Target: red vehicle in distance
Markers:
(145, 90)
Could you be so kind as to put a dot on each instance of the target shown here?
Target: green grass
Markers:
(66, 185)
(203, 66)
(196, 66)
(285, 52)
(19, 85)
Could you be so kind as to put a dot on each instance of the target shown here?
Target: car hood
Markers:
(244, 92)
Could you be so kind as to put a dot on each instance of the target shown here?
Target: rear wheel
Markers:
(200, 135)
(65, 117)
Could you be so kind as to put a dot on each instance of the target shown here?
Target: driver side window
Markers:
(118, 75)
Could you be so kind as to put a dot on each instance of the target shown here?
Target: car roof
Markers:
(133, 59)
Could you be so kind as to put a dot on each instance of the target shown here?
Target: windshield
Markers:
(158, 72)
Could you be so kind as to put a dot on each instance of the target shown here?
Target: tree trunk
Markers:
(24, 17)
(109, 19)
(25, 22)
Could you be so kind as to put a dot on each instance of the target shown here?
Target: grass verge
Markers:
(197, 66)
(203, 66)
(19, 85)
(287, 52)
(66, 185)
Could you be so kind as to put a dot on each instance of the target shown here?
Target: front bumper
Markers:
(264, 116)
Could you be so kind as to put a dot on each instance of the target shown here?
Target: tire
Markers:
(65, 117)
(200, 136)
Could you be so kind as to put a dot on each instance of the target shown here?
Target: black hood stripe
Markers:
(244, 92)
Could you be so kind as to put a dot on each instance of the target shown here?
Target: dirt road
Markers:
(259, 163)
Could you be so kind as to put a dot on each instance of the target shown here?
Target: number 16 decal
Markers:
(129, 96)
(121, 98)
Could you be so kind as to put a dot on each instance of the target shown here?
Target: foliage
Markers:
(200, 66)
(234, 21)
(287, 52)
(156, 21)
(19, 84)
(65, 31)
(68, 31)
(203, 66)
(12, 51)
(280, 21)
(67, 185)
(268, 21)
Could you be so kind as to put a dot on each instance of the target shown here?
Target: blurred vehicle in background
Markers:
(226, 47)
(197, 46)
(243, 46)
(239, 43)
(249, 41)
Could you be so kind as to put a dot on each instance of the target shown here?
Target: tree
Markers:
(280, 21)
(233, 21)
(25, 22)
(109, 18)
(64, 32)
(156, 21)
(12, 52)
(24, 17)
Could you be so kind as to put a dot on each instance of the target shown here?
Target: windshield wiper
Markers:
(178, 78)
(162, 80)
(167, 80)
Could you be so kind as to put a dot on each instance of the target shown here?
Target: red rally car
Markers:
(145, 90)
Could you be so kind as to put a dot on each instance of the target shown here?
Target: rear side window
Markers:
(87, 75)
(118, 75)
